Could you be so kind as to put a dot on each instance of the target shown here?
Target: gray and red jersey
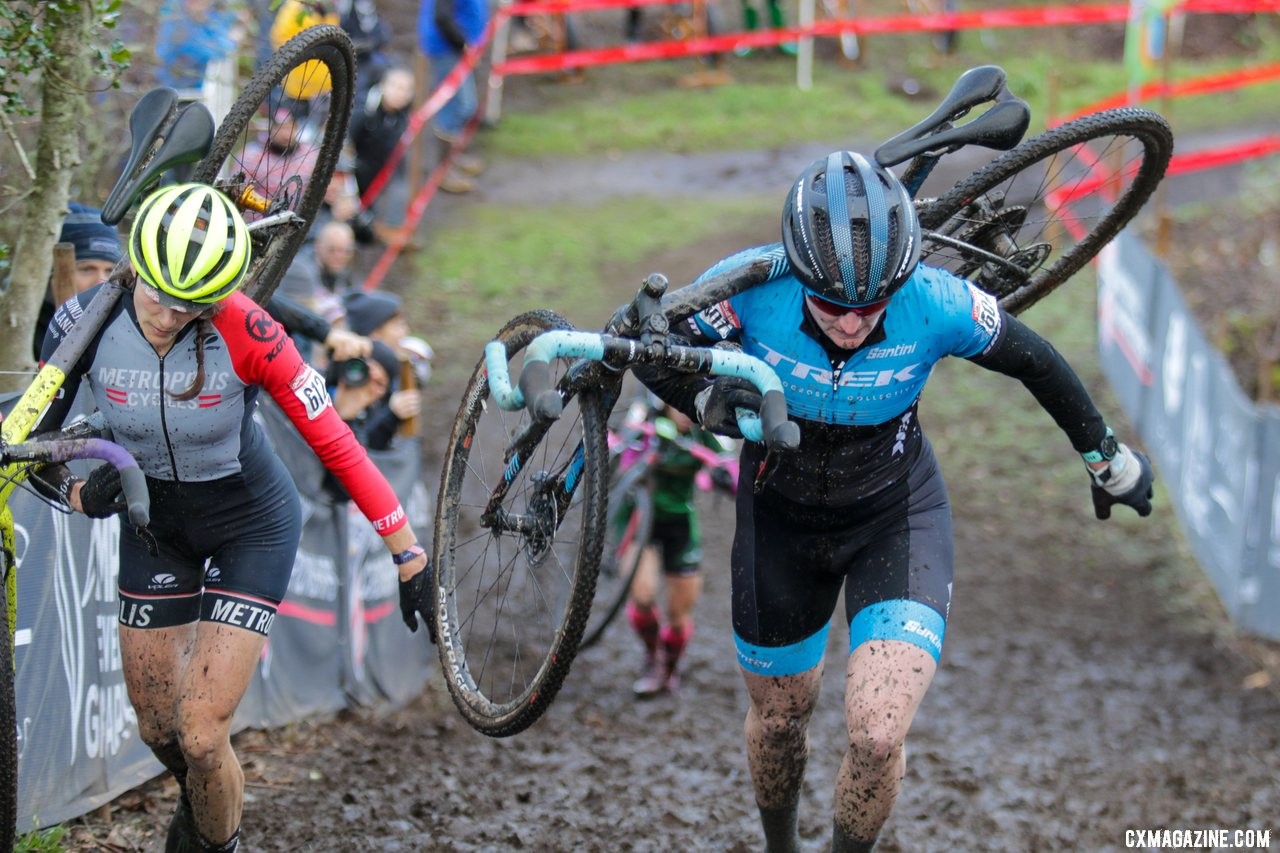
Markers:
(213, 435)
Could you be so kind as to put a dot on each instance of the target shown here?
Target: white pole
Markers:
(497, 56)
(804, 55)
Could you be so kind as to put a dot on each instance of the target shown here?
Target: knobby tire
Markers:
(511, 605)
(329, 48)
(1144, 137)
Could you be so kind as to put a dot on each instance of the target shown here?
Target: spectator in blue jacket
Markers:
(446, 28)
(193, 33)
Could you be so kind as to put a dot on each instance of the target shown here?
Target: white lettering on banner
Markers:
(314, 577)
(1197, 449)
(109, 720)
(97, 702)
(1122, 308)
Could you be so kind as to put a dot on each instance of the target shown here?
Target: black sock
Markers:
(781, 829)
(843, 842)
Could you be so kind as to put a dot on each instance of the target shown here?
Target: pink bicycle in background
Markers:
(633, 450)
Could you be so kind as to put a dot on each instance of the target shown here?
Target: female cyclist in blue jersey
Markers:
(853, 325)
(176, 370)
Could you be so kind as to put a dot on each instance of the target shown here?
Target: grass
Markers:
(570, 258)
(640, 107)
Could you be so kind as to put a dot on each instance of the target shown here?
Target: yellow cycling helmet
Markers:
(190, 243)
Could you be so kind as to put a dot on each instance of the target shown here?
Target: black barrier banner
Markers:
(338, 639)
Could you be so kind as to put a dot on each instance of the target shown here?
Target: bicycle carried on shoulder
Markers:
(306, 89)
(522, 512)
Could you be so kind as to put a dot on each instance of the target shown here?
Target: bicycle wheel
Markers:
(276, 150)
(627, 532)
(8, 699)
(1030, 219)
(517, 544)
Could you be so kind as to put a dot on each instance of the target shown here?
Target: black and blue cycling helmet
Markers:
(850, 230)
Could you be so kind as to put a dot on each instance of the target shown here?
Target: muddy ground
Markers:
(1081, 694)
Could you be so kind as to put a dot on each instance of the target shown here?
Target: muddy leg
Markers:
(777, 732)
(886, 681)
(214, 682)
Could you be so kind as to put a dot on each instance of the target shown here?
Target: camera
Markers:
(354, 372)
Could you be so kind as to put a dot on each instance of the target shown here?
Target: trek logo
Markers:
(261, 327)
(722, 319)
(848, 378)
(900, 440)
(242, 614)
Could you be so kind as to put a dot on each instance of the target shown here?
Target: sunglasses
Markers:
(835, 309)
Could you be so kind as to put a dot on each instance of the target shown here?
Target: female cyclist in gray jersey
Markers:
(853, 325)
(176, 369)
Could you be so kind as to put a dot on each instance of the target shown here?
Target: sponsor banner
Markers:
(1216, 452)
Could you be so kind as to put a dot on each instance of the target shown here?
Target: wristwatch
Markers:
(1107, 449)
(414, 552)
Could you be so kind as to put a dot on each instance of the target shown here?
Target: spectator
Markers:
(310, 80)
(376, 315)
(335, 249)
(376, 128)
(446, 28)
(368, 396)
(98, 249)
(191, 35)
(370, 34)
(279, 154)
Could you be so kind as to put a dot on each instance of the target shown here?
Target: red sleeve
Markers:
(265, 356)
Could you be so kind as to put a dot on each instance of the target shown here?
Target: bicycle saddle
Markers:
(163, 134)
(1001, 127)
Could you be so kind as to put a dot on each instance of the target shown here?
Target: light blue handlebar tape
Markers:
(561, 343)
(755, 371)
(495, 364)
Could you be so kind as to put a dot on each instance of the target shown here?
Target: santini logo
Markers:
(914, 627)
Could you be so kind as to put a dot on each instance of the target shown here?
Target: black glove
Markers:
(716, 403)
(723, 479)
(1129, 483)
(102, 496)
(415, 599)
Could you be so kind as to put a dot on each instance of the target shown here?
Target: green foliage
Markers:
(42, 841)
(27, 37)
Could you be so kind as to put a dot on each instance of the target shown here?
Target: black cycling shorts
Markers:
(679, 542)
(891, 551)
(225, 552)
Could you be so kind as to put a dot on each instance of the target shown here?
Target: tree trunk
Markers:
(65, 88)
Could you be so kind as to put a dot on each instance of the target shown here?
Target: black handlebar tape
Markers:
(134, 484)
(539, 397)
(779, 433)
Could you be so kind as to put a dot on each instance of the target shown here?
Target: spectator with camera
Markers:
(367, 396)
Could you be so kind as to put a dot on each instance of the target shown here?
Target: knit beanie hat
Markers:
(94, 240)
(367, 310)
